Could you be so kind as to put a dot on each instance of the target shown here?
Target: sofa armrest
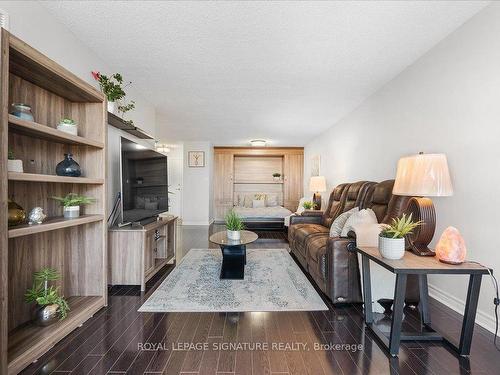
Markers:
(305, 220)
(343, 271)
(312, 213)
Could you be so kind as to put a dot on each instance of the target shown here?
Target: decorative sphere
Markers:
(36, 216)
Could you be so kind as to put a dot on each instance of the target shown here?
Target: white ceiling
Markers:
(228, 72)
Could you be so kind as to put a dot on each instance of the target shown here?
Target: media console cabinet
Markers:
(137, 254)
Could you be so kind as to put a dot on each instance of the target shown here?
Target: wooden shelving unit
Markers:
(258, 182)
(76, 247)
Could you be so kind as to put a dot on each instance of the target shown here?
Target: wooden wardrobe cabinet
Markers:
(293, 180)
(223, 183)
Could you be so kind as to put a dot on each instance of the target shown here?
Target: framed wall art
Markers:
(196, 159)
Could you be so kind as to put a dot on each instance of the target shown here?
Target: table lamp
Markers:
(317, 184)
(422, 176)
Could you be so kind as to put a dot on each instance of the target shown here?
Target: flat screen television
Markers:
(144, 182)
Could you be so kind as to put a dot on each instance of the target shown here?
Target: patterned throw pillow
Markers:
(366, 216)
(339, 222)
(260, 197)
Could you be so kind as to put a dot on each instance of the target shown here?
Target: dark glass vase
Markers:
(68, 167)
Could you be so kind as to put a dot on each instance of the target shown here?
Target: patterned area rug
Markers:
(273, 282)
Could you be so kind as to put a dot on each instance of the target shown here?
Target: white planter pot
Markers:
(277, 179)
(234, 235)
(391, 248)
(15, 165)
(70, 129)
(111, 107)
(71, 212)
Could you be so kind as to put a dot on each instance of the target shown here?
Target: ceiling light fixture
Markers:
(258, 143)
(164, 149)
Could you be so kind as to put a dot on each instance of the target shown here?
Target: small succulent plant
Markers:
(400, 227)
(68, 121)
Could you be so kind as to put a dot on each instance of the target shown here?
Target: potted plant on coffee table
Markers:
(234, 226)
(71, 204)
(391, 241)
(49, 304)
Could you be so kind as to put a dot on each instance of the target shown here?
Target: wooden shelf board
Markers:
(258, 182)
(15, 176)
(52, 224)
(46, 132)
(119, 123)
(28, 342)
(29, 64)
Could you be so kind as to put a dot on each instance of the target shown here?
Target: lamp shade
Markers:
(423, 175)
(317, 183)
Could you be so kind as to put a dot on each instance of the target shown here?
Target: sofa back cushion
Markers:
(380, 198)
(334, 204)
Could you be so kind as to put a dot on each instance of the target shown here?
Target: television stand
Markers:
(136, 254)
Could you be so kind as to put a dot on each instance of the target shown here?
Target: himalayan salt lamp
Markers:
(451, 247)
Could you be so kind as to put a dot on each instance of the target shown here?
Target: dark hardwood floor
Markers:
(118, 339)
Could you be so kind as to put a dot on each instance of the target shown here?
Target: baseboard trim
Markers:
(485, 320)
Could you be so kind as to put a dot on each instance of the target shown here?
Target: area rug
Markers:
(273, 282)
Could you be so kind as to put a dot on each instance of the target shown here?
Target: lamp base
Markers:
(317, 201)
(423, 210)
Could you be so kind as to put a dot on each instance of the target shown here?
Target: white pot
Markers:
(276, 178)
(71, 212)
(391, 248)
(15, 166)
(234, 235)
(111, 107)
(70, 129)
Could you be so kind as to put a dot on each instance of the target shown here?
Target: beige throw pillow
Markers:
(258, 203)
(339, 222)
(366, 216)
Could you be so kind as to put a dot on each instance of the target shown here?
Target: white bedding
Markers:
(277, 212)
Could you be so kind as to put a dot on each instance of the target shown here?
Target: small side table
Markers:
(412, 264)
(234, 253)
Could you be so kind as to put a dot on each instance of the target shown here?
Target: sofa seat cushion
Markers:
(302, 233)
(316, 254)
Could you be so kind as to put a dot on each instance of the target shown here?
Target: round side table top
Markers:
(220, 238)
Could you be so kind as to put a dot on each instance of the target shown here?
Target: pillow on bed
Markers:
(272, 200)
(247, 201)
(258, 203)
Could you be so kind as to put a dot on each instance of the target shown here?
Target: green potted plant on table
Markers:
(308, 205)
(68, 125)
(71, 204)
(276, 176)
(234, 226)
(391, 241)
(49, 304)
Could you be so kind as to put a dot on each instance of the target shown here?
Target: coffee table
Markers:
(234, 253)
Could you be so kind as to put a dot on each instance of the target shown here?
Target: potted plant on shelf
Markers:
(391, 241)
(68, 125)
(13, 164)
(71, 203)
(112, 87)
(276, 176)
(234, 226)
(49, 304)
(308, 205)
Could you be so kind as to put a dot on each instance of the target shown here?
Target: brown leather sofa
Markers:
(330, 261)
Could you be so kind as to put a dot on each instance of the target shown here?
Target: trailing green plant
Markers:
(276, 174)
(308, 205)
(67, 121)
(400, 227)
(111, 86)
(73, 199)
(43, 294)
(126, 107)
(233, 221)
(11, 155)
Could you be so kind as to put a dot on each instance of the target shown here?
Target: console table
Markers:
(136, 254)
(412, 264)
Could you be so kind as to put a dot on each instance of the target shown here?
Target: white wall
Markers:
(196, 209)
(448, 101)
(31, 22)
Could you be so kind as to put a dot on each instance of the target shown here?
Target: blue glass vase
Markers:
(68, 167)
